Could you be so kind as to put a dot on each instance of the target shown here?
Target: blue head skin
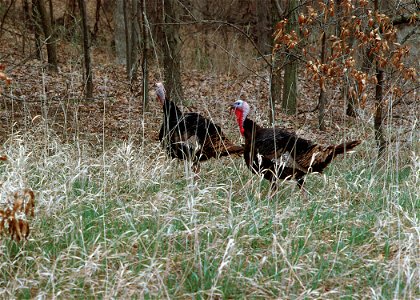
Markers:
(160, 92)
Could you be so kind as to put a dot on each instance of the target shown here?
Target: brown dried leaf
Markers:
(30, 204)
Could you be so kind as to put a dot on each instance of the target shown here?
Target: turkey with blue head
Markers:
(276, 153)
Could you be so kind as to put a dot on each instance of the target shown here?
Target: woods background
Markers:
(279, 43)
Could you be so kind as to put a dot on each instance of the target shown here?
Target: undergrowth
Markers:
(128, 222)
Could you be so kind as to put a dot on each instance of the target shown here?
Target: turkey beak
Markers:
(231, 109)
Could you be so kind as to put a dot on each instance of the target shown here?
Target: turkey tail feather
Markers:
(345, 147)
(226, 147)
(235, 150)
(319, 157)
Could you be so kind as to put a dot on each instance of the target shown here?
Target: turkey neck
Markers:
(171, 109)
(172, 114)
(250, 128)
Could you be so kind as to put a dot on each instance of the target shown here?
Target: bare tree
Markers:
(97, 18)
(86, 51)
(70, 12)
(378, 119)
(290, 90)
(264, 27)
(48, 34)
(51, 8)
(5, 15)
(172, 50)
(135, 32)
(27, 23)
(119, 33)
(127, 25)
(276, 78)
(36, 20)
(144, 64)
(322, 92)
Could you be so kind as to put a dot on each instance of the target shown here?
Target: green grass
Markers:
(128, 223)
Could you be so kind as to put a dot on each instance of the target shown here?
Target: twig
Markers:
(395, 138)
(22, 62)
(15, 98)
(4, 16)
(308, 111)
(403, 19)
(222, 23)
(399, 99)
(402, 118)
(408, 35)
(279, 11)
(106, 19)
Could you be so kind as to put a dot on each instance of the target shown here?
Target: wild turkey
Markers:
(278, 154)
(191, 136)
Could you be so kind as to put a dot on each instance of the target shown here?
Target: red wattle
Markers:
(239, 119)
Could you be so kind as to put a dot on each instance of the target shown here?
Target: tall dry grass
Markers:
(128, 222)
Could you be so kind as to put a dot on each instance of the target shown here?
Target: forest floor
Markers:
(116, 112)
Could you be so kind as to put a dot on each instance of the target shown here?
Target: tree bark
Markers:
(69, 13)
(322, 92)
(379, 133)
(264, 26)
(27, 23)
(276, 79)
(290, 90)
(348, 98)
(275, 87)
(119, 33)
(97, 18)
(36, 21)
(172, 51)
(378, 119)
(48, 34)
(51, 7)
(134, 40)
(144, 64)
(5, 15)
(127, 38)
(86, 51)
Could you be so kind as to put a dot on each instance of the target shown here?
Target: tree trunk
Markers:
(69, 13)
(264, 26)
(27, 23)
(348, 98)
(97, 18)
(119, 34)
(86, 51)
(379, 133)
(172, 51)
(36, 21)
(290, 90)
(48, 34)
(3, 19)
(275, 87)
(144, 64)
(322, 92)
(134, 40)
(276, 79)
(51, 7)
(351, 101)
(127, 38)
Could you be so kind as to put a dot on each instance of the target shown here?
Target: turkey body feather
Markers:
(279, 154)
(191, 136)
